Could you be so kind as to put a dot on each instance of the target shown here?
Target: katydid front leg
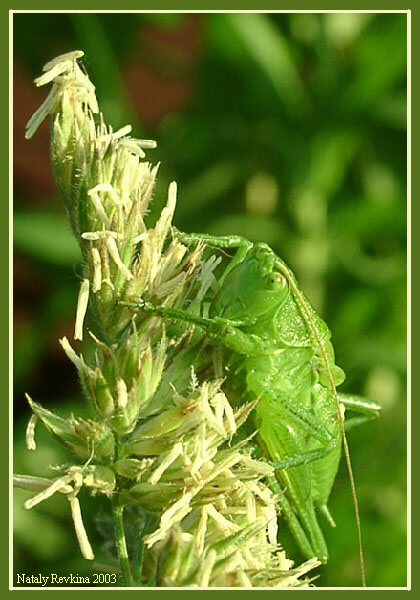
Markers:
(224, 329)
(229, 241)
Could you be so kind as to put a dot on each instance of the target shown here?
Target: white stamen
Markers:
(36, 484)
(174, 514)
(40, 114)
(165, 219)
(82, 304)
(225, 464)
(71, 354)
(97, 270)
(263, 494)
(93, 236)
(168, 515)
(63, 57)
(140, 238)
(224, 524)
(172, 196)
(68, 80)
(82, 538)
(92, 130)
(201, 531)
(217, 403)
(208, 565)
(93, 103)
(271, 524)
(165, 462)
(107, 137)
(82, 79)
(77, 478)
(122, 132)
(146, 144)
(30, 433)
(54, 72)
(96, 201)
(113, 251)
(130, 145)
(48, 492)
(107, 187)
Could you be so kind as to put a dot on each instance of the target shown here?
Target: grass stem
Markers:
(117, 510)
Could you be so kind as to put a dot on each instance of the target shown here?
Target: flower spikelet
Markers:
(162, 438)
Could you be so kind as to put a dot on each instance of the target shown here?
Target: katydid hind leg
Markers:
(294, 525)
(283, 445)
(301, 415)
(324, 471)
(304, 458)
(302, 522)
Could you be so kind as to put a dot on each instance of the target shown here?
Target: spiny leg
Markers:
(217, 241)
(288, 466)
(311, 541)
(228, 241)
(304, 417)
(292, 466)
(295, 527)
(302, 459)
(366, 408)
(224, 329)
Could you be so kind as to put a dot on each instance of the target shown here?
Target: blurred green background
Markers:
(285, 128)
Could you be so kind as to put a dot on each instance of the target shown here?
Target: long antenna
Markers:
(315, 332)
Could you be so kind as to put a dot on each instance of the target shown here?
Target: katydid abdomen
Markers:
(296, 415)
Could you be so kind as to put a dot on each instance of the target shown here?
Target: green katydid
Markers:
(279, 351)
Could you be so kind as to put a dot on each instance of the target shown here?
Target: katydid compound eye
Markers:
(277, 281)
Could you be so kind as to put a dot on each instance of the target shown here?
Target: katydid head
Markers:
(255, 287)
